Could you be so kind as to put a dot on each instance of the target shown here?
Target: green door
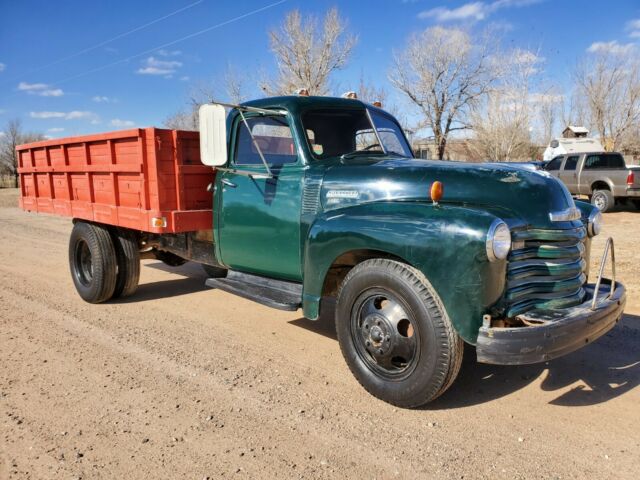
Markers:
(259, 218)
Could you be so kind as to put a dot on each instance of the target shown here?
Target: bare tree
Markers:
(575, 112)
(306, 55)
(231, 88)
(505, 119)
(13, 135)
(444, 74)
(609, 82)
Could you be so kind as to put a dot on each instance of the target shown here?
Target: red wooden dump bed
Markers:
(139, 179)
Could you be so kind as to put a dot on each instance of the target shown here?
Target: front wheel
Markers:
(395, 334)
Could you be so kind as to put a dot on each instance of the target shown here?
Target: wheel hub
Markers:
(384, 334)
(377, 332)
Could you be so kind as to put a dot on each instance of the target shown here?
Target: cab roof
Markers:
(296, 104)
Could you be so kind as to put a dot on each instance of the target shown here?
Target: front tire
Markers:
(603, 200)
(92, 260)
(395, 334)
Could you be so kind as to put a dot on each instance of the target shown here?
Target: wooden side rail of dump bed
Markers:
(148, 179)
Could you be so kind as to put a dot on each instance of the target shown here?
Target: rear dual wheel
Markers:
(103, 265)
(395, 334)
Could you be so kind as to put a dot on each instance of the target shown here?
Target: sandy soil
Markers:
(180, 381)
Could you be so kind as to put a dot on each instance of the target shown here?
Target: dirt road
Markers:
(180, 381)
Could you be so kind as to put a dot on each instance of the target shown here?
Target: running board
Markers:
(267, 291)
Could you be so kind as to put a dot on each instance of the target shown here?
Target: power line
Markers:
(165, 45)
(110, 40)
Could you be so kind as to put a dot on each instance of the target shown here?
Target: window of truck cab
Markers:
(333, 132)
(274, 137)
(604, 161)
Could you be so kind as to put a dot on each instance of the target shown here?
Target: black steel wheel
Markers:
(384, 333)
(395, 334)
(92, 261)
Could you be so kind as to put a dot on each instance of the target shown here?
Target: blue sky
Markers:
(57, 83)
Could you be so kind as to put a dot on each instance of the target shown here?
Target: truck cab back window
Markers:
(273, 136)
(601, 161)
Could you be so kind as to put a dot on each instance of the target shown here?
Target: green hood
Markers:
(518, 196)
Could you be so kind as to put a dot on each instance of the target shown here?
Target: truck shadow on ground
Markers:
(192, 281)
(604, 370)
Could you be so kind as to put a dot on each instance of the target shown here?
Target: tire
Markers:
(406, 351)
(170, 259)
(214, 272)
(603, 200)
(125, 243)
(92, 261)
(636, 203)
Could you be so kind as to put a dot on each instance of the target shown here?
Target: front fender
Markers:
(446, 243)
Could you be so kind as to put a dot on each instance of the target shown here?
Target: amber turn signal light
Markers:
(437, 189)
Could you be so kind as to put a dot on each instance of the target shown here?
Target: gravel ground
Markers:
(180, 381)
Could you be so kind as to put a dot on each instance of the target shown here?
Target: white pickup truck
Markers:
(603, 176)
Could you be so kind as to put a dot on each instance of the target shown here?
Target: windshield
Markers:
(337, 132)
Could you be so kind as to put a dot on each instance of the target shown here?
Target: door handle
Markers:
(228, 183)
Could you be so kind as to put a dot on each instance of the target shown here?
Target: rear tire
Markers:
(395, 334)
(125, 243)
(603, 200)
(92, 261)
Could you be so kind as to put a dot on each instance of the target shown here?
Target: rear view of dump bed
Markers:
(149, 179)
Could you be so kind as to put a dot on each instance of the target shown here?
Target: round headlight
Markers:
(498, 240)
(595, 223)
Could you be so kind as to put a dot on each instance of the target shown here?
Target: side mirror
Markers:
(213, 135)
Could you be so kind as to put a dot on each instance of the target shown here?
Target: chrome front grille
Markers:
(546, 269)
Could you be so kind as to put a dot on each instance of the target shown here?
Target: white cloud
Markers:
(185, 78)
(44, 115)
(41, 89)
(611, 48)
(116, 122)
(472, 11)
(2, 134)
(169, 53)
(73, 115)
(2, 67)
(56, 130)
(102, 99)
(633, 27)
(153, 66)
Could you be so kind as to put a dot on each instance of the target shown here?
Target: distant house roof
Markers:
(576, 129)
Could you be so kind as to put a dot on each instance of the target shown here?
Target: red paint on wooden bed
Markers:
(123, 178)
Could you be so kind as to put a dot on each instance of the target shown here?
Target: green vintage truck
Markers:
(318, 203)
